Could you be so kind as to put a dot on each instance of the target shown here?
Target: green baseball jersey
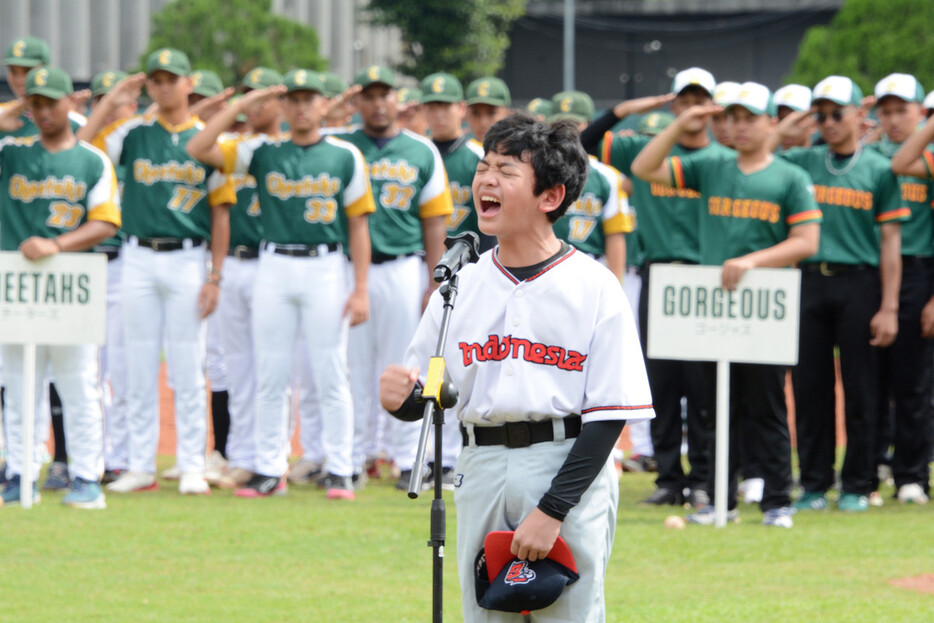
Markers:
(743, 212)
(47, 193)
(668, 217)
(460, 165)
(855, 195)
(635, 255)
(306, 193)
(916, 194)
(601, 209)
(166, 192)
(29, 127)
(409, 184)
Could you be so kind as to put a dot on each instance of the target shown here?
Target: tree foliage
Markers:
(867, 40)
(231, 37)
(467, 38)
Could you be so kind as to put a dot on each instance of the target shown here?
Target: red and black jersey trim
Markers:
(509, 275)
(617, 408)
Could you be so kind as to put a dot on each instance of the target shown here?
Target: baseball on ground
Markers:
(674, 522)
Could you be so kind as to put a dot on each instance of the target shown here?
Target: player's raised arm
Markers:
(909, 159)
(10, 114)
(126, 91)
(650, 164)
(593, 133)
(203, 145)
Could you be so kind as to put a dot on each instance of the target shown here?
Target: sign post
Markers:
(56, 301)
(691, 317)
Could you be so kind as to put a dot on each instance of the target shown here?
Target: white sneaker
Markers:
(193, 484)
(215, 467)
(912, 493)
(305, 471)
(133, 481)
(875, 499)
(752, 491)
(173, 473)
(235, 478)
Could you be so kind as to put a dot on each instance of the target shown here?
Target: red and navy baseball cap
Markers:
(505, 583)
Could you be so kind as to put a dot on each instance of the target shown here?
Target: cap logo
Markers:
(566, 104)
(42, 78)
(519, 573)
(373, 72)
(403, 93)
(653, 121)
(301, 77)
(19, 48)
(892, 85)
(693, 81)
(437, 85)
(108, 79)
(196, 79)
(826, 89)
(483, 89)
(255, 75)
(165, 57)
(743, 94)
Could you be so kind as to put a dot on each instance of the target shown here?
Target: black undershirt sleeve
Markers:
(585, 460)
(591, 135)
(411, 410)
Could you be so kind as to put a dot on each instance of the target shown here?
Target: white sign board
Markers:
(692, 317)
(59, 300)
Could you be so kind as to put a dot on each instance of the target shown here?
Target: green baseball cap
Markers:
(170, 60)
(241, 117)
(375, 74)
(539, 106)
(574, 105)
(839, 90)
(28, 52)
(261, 78)
(490, 90)
(105, 80)
(303, 80)
(409, 95)
(51, 82)
(334, 85)
(653, 123)
(205, 82)
(442, 87)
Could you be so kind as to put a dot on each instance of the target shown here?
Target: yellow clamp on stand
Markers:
(434, 380)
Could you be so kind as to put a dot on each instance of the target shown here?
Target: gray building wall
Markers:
(89, 36)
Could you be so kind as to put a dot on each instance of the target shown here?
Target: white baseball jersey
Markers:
(559, 343)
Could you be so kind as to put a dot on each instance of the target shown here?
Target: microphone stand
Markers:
(437, 395)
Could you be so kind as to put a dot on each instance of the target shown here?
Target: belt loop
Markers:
(133, 241)
(471, 438)
(557, 425)
(187, 243)
(322, 249)
(270, 247)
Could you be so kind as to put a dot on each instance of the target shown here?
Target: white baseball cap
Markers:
(694, 76)
(725, 92)
(902, 86)
(839, 90)
(929, 101)
(755, 98)
(795, 96)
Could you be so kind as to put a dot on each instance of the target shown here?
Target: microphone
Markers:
(463, 249)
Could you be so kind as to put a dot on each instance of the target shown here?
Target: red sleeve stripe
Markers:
(801, 217)
(617, 408)
(677, 172)
(928, 162)
(606, 151)
(894, 215)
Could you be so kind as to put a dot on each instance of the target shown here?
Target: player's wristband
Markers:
(214, 280)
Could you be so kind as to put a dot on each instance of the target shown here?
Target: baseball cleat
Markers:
(304, 472)
(235, 478)
(215, 468)
(58, 479)
(85, 494)
(912, 493)
(338, 487)
(129, 482)
(779, 517)
(664, 497)
(261, 486)
(11, 492)
(193, 484)
(707, 516)
(853, 503)
(173, 473)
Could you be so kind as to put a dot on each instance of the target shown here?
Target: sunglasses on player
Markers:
(836, 115)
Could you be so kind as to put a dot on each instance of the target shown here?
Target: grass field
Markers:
(161, 557)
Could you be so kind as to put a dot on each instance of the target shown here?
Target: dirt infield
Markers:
(920, 583)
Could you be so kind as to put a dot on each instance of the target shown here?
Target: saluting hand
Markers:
(10, 116)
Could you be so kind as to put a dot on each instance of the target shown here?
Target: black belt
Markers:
(521, 434)
(298, 250)
(168, 244)
(917, 260)
(832, 269)
(112, 253)
(243, 253)
(382, 258)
